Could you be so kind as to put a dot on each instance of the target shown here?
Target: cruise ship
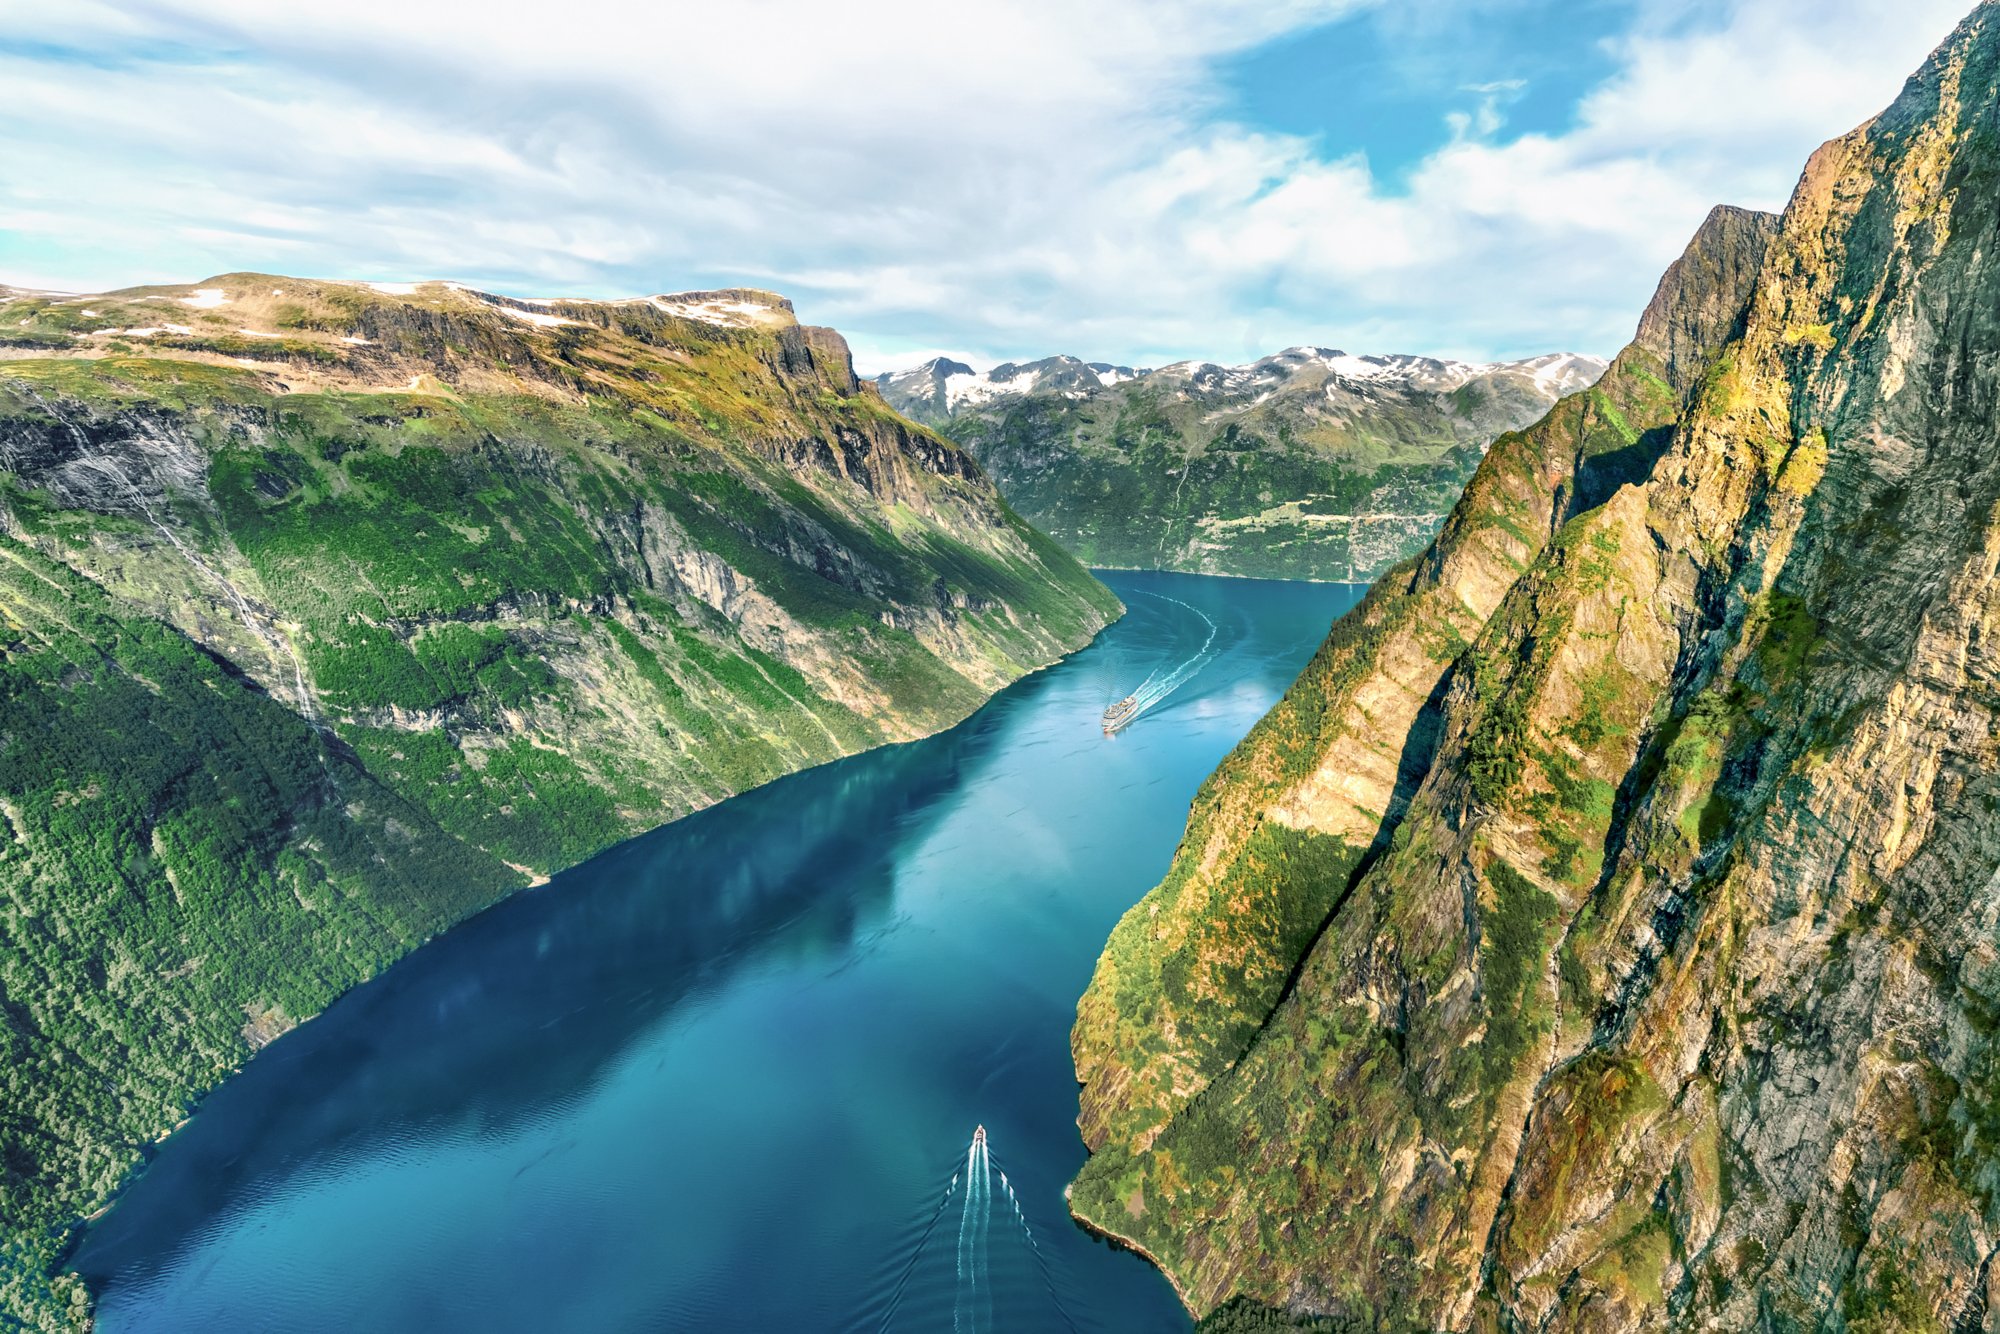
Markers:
(1121, 713)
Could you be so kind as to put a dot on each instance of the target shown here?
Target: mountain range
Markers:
(1311, 463)
(1601, 935)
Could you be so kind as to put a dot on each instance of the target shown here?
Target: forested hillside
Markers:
(333, 612)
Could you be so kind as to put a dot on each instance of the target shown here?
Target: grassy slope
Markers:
(183, 856)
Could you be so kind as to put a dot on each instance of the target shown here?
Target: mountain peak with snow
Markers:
(943, 388)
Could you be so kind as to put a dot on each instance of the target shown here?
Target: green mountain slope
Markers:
(1600, 935)
(328, 614)
(1310, 464)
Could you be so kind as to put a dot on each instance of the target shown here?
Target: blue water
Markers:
(722, 1076)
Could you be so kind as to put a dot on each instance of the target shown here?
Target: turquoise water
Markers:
(722, 1076)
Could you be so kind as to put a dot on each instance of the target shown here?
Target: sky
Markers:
(1138, 181)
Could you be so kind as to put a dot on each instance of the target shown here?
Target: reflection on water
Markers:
(709, 1079)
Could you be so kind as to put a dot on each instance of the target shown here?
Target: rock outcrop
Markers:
(1603, 933)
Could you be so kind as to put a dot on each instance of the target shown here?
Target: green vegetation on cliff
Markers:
(189, 867)
(307, 652)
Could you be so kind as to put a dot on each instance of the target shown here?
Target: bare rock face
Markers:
(1602, 933)
(808, 350)
(1703, 299)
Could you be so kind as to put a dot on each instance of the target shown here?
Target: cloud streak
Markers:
(1022, 178)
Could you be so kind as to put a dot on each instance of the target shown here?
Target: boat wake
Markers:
(1156, 687)
(917, 1294)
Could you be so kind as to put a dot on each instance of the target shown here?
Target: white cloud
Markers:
(1021, 177)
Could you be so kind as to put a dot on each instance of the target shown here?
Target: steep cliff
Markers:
(330, 612)
(1309, 464)
(1602, 934)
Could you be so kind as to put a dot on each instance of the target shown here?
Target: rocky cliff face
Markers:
(1602, 933)
(1308, 464)
(328, 613)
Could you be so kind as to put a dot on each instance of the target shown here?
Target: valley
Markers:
(530, 813)
(755, 1041)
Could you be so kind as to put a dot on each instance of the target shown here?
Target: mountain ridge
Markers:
(928, 386)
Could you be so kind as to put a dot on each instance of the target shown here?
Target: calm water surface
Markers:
(720, 1076)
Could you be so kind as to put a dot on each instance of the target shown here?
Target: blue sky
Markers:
(1133, 180)
(1385, 81)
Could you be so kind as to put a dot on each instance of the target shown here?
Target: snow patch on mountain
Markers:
(1566, 372)
(736, 308)
(942, 387)
(539, 318)
(967, 389)
(147, 332)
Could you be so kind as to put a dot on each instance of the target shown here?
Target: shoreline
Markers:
(1125, 1243)
(1369, 582)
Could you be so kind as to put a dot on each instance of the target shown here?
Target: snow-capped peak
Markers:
(1565, 372)
(947, 386)
(967, 388)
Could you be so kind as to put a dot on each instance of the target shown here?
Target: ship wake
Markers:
(1030, 1289)
(1157, 686)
